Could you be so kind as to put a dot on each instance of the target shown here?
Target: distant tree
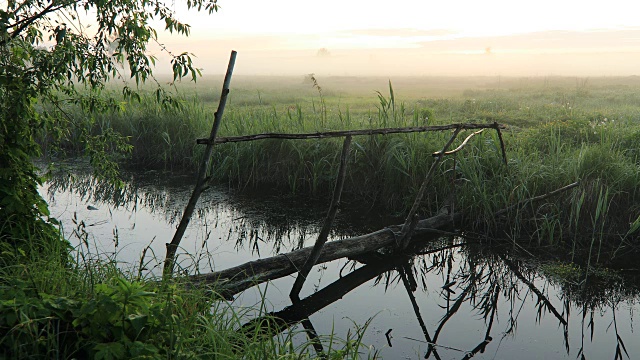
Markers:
(323, 52)
(65, 51)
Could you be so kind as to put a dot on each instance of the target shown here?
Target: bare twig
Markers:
(502, 147)
(438, 153)
(202, 175)
(326, 227)
(313, 337)
(405, 233)
(536, 198)
(416, 310)
(541, 298)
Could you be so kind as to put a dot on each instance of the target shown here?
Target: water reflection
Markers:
(468, 301)
(451, 300)
(145, 211)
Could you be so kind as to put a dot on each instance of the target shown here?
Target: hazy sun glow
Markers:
(372, 37)
(469, 18)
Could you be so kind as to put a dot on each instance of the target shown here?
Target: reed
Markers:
(559, 133)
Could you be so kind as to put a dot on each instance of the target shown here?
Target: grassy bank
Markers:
(54, 305)
(561, 130)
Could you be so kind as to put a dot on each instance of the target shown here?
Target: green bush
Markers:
(122, 320)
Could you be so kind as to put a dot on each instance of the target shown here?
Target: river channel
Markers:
(469, 300)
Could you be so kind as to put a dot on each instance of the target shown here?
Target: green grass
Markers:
(61, 304)
(561, 130)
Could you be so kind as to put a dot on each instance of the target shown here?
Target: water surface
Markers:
(468, 300)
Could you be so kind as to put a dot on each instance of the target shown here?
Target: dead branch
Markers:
(536, 198)
(502, 147)
(239, 278)
(406, 228)
(278, 321)
(200, 186)
(326, 227)
(466, 140)
(332, 134)
(534, 289)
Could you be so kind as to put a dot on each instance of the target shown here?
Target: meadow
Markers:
(560, 130)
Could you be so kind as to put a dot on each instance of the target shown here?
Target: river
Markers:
(473, 300)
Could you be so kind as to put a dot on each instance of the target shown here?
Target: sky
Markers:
(456, 37)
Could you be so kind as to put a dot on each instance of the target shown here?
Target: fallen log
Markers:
(239, 278)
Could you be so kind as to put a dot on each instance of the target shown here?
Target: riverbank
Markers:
(560, 131)
(472, 279)
(76, 302)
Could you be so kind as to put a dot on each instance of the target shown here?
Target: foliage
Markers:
(114, 325)
(562, 272)
(52, 311)
(49, 55)
(120, 320)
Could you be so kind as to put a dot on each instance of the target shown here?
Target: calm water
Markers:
(473, 301)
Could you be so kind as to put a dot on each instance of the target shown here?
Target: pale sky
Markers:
(545, 37)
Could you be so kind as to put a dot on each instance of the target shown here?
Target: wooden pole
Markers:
(502, 147)
(326, 227)
(201, 181)
(405, 233)
(342, 133)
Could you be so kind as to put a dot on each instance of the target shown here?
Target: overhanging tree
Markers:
(65, 52)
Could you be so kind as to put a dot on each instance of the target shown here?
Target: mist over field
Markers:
(410, 52)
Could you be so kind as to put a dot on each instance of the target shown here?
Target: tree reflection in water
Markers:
(478, 279)
(468, 283)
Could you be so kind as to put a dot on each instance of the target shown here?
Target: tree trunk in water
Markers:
(239, 278)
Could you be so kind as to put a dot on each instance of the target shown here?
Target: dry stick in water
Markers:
(487, 337)
(201, 181)
(405, 233)
(275, 322)
(541, 298)
(294, 295)
(239, 278)
(313, 336)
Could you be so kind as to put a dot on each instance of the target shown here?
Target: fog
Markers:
(549, 53)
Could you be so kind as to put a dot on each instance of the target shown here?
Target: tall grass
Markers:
(560, 131)
(87, 305)
(161, 137)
